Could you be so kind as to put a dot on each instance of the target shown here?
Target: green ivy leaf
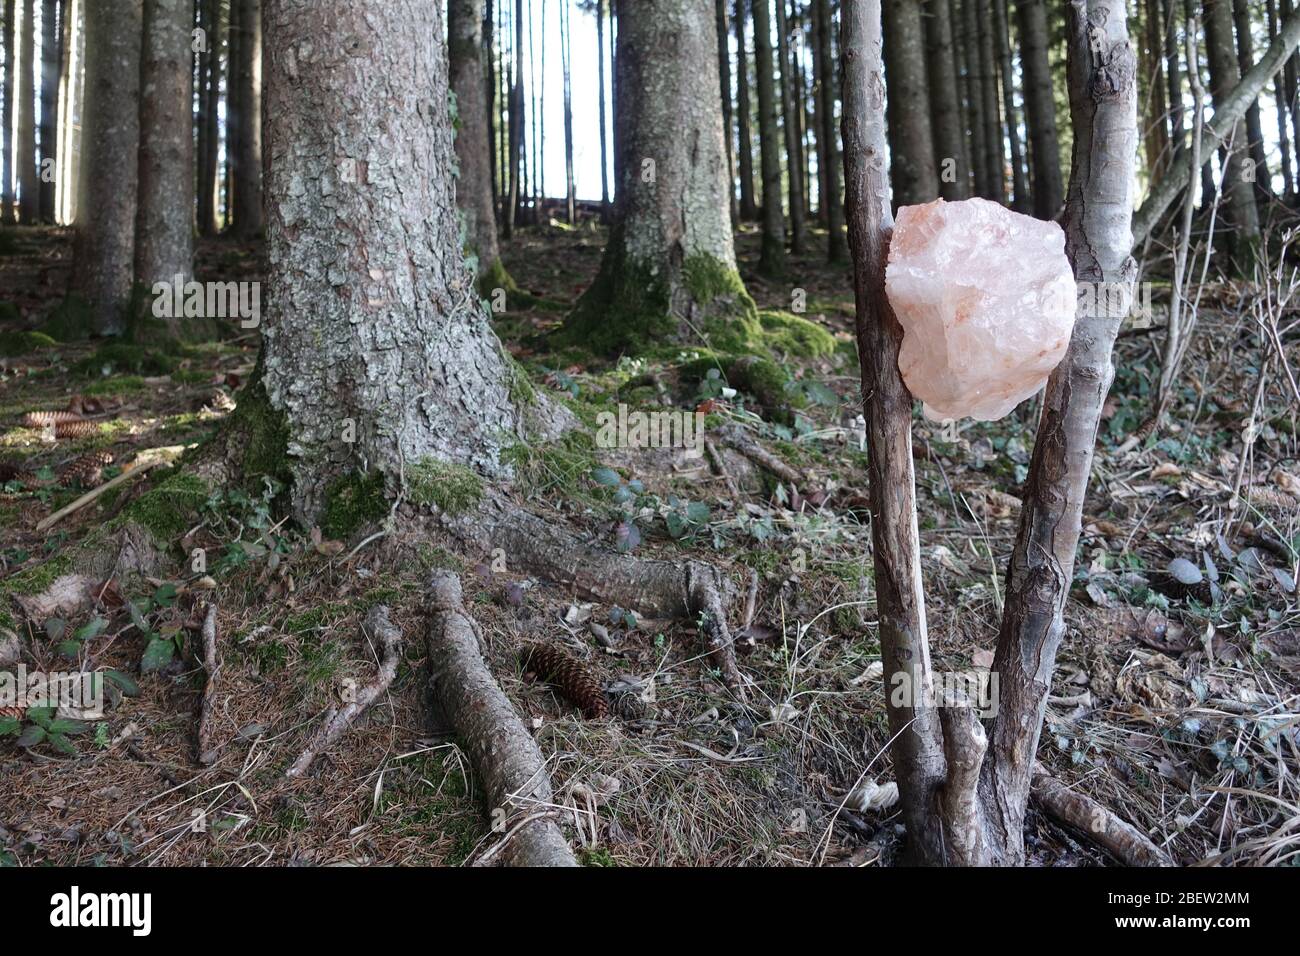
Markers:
(32, 736)
(606, 476)
(157, 655)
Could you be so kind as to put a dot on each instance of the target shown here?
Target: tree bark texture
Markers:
(51, 68)
(8, 195)
(210, 96)
(374, 331)
(106, 203)
(994, 157)
(1238, 181)
(745, 145)
(165, 224)
(29, 190)
(791, 117)
(952, 162)
(828, 133)
(1002, 27)
(246, 204)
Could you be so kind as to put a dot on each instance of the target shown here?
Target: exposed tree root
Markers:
(207, 754)
(1101, 826)
(741, 442)
(337, 721)
(654, 588)
(505, 756)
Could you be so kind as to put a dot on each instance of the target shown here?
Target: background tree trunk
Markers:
(1254, 124)
(1021, 201)
(791, 111)
(247, 78)
(1281, 105)
(474, 188)
(1040, 109)
(381, 316)
(979, 150)
(29, 190)
(1239, 189)
(50, 71)
(828, 142)
(9, 212)
(105, 244)
(911, 146)
(994, 157)
(724, 79)
(952, 164)
(210, 96)
(1155, 133)
(745, 145)
(165, 223)
(604, 148)
(669, 267)
(772, 260)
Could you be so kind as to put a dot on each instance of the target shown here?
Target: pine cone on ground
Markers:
(45, 419)
(75, 429)
(570, 676)
(16, 711)
(87, 471)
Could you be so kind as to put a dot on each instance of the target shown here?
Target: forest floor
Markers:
(1175, 700)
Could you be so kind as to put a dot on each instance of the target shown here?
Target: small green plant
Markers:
(41, 726)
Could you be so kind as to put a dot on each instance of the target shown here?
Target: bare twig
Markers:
(207, 753)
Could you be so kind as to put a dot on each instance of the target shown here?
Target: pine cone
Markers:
(43, 419)
(15, 711)
(571, 677)
(13, 471)
(87, 471)
(75, 429)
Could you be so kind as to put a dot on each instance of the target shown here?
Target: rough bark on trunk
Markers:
(1254, 124)
(105, 243)
(828, 134)
(900, 598)
(791, 113)
(953, 166)
(1228, 111)
(771, 262)
(164, 227)
(1103, 107)
(911, 146)
(1020, 201)
(669, 267)
(1238, 181)
(474, 187)
(745, 167)
(246, 204)
(382, 316)
(29, 190)
(1040, 109)
(50, 71)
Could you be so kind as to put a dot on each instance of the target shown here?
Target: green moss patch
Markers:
(351, 502)
(124, 357)
(789, 334)
(450, 488)
(170, 508)
(22, 343)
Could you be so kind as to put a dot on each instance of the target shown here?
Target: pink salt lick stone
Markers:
(986, 298)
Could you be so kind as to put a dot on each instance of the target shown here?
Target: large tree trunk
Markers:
(945, 102)
(381, 316)
(1238, 181)
(1040, 109)
(474, 187)
(828, 153)
(105, 244)
(50, 72)
(1021, 201)
(29, 197)
(911, 146)
(165, 224)
(771, 262)
(246, 177)
(1254, 124)
(745, 145)
(209, 97)
(669, 268)
(791, 115)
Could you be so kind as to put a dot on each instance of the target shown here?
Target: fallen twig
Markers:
(1103, 827)
(88, 497)
(207, 754)
(337, 721)
(762, 457)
